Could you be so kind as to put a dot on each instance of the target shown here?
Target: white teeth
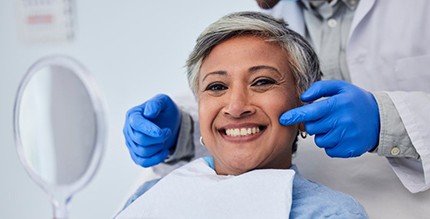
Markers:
(242, 131)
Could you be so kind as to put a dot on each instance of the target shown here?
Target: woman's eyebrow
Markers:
(259, 67)
(252, 69)
(214, 73)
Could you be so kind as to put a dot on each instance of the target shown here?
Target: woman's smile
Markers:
(242, 132)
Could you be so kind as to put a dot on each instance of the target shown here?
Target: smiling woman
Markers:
(245, 71)
(239, 69)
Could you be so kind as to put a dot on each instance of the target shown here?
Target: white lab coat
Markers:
(388, 50)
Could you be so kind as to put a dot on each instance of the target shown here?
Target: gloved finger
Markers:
(328, 140)
(143, 125)
(320, 126)
(341, 152)
(142, 139)
(156, 105)
(135, 110)
(167, 134)
(144, 152)
(148, 162)
(306, 113)
(131, 113)
(138, 108)
(322, 89)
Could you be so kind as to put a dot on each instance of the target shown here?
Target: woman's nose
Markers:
(238, 103)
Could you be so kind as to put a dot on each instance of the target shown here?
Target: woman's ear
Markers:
(302, 130)
(302, 127)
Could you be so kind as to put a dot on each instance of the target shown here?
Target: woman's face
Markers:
(245, 84)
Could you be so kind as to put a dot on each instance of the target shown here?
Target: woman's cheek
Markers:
(206, 116)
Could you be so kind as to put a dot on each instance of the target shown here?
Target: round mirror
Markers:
(59, 127)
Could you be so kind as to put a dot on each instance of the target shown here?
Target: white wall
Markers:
(135, 49)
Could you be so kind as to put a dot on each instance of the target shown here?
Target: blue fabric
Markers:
(313, 200)
(210, 161)
(310, 199)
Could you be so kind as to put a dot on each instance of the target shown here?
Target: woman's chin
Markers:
(237, 168)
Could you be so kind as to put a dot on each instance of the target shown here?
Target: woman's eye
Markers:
(262, 82)
(216, 87)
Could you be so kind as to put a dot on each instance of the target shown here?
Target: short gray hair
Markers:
(302, 58)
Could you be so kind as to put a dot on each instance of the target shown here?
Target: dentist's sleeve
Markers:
(184, 149)
(405, 136)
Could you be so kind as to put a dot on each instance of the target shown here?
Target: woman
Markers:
(240, 69)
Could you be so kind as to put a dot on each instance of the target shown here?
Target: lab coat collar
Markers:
(324, 7)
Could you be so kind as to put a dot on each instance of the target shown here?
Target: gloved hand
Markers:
(346, 124)
(151, 129)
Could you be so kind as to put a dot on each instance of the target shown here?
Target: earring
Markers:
(303, 134)
(201, 141)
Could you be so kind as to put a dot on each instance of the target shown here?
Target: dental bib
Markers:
(196, 191)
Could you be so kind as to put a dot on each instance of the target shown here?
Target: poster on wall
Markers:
(45, 21)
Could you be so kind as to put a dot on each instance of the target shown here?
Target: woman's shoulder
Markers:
(313, 200)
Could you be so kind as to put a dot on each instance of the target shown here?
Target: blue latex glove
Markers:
(151, 129)
(346, 124)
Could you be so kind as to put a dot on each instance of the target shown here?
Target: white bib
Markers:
(196, 191)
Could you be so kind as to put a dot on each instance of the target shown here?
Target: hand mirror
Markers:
(59, 128)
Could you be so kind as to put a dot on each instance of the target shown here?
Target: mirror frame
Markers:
(60, 195)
